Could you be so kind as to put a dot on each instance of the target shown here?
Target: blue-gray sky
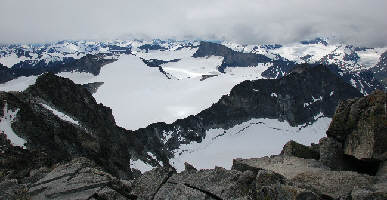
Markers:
(361, 22)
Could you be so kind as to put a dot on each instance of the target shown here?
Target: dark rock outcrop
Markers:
(331, 153)
(293, 148)
(231, 58)
(88, 63)
(380, 70)
(5, 74)
(79, 179)
(361, 126)
(366, 81)
(93, 87)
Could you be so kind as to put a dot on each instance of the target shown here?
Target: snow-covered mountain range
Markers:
(182, 84)
(189, 59)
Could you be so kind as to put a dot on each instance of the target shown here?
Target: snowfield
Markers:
(61, 115)
(18, 84)
(370, 57)
(5, 126)
(166, 55)
(140, 95)
(295, 52)
(11, 60)
(193, 67)
(252, 139)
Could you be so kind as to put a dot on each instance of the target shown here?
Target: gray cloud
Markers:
(247, 21)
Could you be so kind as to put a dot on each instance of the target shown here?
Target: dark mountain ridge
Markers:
(234, 58)
(88, 63)
(58, 140)
(297, 98)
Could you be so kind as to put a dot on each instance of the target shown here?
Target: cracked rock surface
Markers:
(78, 179)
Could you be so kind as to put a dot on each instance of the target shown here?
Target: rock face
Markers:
(289, 177)
(79, 179)
(287, 166)
(93, 87)
(351, 163)
(215, 184)
(331, 153)
(380, 71)
(336, 184)
(361, 126)
(293, 148)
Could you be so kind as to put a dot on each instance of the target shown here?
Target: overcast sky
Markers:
(362, 22)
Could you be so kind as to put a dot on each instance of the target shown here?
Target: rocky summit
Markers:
(68, 146)
(58, 121)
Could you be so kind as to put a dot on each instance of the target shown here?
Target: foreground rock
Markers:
(348, 164)
(217, 184)
(289, 175)
(361, 126)
(79, 179)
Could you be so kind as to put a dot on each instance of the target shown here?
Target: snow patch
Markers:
(140, 165)
(11, 59)
(295, 51)
(370, 57)
(5, 126)
(18, 84)
(77, 77)
(353, 83)
(314, 100)
(248, 73)
(152, 156)
(166, 55)
(193, 67)
(166, 136)
(61, 115)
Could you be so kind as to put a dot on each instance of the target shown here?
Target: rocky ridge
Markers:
(294, 174)
(60, 120)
